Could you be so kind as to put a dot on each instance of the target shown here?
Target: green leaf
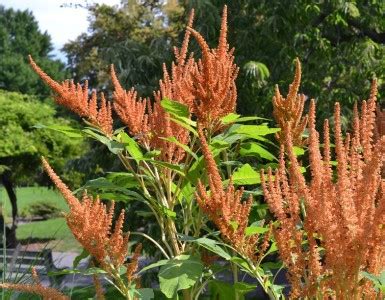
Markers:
(131, 146)
(222, 290)
(157, 264)
(246, 175)
(251, 230)
(78, 258)
(179, 273)
(114, 146)
(252, 149)
(67, 130)
(185, 123)
(208, 244)
(145, 294)
(168, 212)
(253, 131)
(230, 118)
(89, 271)
(244, 288)
(298, 151)
(175, 108)
(177, 168)
(183, 146)
(256, 70)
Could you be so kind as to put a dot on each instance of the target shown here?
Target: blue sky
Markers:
(62, 23)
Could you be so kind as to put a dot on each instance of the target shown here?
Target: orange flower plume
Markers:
(214, 77)
(150, 121)
(91, 223)
(343, 216)
(76, 98)
(290, 110)
(47, 293)
(225, 207)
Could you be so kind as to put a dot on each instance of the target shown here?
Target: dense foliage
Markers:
(22, 145)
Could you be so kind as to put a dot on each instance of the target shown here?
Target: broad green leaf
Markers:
(67, 130)
(244, 288)
(253, 131)
(157, 264)
(122, 179)
(241, 262)
(185, 123)
(298, 151)
(273, 248)
(246, 175)
(114, 146)
(78, 258)
(246, 119)
(255, 230)
(145, 294)
(230, 118)
(252, 149)
(179, 273)
(175, 108)
(209, 244)
(131, 146)
(222, 290)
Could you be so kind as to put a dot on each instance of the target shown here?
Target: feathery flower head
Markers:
(290, 110)
(47, 293)
(225, 206)
(214, 75)
(342, 215)
(76, 98)
(149, 120)
(91, 223)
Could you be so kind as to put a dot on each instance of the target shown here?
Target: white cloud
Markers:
(62, 23)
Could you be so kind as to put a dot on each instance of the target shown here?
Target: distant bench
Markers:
(20, 262)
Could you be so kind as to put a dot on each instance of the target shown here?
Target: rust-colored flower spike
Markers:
(343, 215)
(290, 110)
(91, 223)
(380, 122)
(225, 206)
(149, 121)
(76, 98)
(214, 77)
(99, 292)
(47, 293)
(132, 267)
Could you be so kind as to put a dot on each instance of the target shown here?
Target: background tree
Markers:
(20, 36)
(22, 145)
(137, 37)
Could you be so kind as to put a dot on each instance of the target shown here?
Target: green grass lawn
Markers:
(53, 232)
(30, 195)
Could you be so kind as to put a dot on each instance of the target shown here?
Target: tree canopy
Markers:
(19, 36)
(137, 37)
(22, 145)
